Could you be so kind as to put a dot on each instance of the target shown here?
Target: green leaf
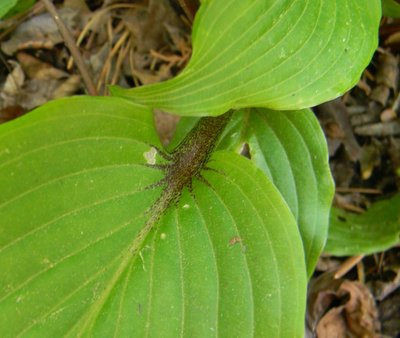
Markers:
(276, 54)
(86, 249)
(5, 6)
(291, 150)
(9, 8)
(391, 8)
(376, 230)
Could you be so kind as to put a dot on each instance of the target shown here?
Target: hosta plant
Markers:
(104, 233)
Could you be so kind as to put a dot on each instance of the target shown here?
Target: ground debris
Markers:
(39, 32)
(341, 308)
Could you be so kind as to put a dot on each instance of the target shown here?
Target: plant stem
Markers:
(191, 156)
(70, 43)
(187, 161)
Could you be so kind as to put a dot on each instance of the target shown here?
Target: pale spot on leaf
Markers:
(150, 156)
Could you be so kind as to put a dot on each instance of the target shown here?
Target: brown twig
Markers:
(189, 7)
(347, 265)
(361, 272)
(359, 190)
(351, 207)
(71, 44)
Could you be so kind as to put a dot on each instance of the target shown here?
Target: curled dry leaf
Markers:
(341, 308)
(357, 317)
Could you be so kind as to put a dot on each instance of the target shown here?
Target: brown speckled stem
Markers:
(185, 164)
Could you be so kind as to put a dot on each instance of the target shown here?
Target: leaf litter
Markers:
(363, 133)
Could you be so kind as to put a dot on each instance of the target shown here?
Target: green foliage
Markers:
(290, 148)
(5, 6)
(275, 54)
(391, 8)
(74, 189)
(373, 231)
(11, 7)
(97, 238)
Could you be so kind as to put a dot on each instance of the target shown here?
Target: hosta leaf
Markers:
(5, 6)
(11, 7)
(290, 148)
(86, 250)
(391, 8)
(376, 230)
(284, 54)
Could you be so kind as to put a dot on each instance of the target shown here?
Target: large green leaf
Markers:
(6, 6)
(290, 148)
(11, 7)
(376, 230)
(391, 8)
(86, 250)
(286, 54)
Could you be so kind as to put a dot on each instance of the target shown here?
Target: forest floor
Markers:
(146, 41)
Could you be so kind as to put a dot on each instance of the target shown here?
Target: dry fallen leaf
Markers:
(37, 69)
(341, 308)
(355, 317)
(34, 82)
(38, 32)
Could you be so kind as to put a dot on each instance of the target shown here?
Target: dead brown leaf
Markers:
(34, 82)
(39, 32)
(37, 69)
(341, 308)
(357, 317)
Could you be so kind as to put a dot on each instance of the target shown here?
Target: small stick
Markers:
(189, 7)
(351, 207)
(120, 60)
(347, 265)
(360, 190)
(71, 44)
(361, 272)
